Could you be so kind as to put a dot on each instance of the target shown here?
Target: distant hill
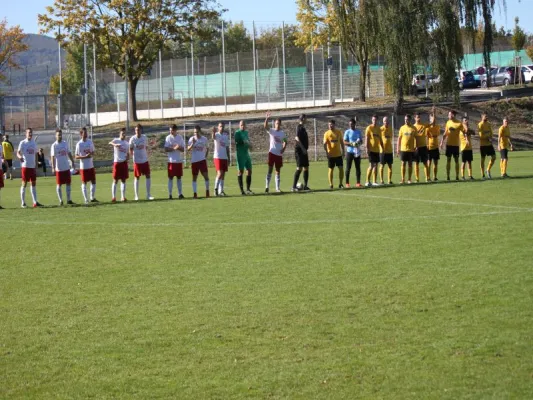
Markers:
(38, 64)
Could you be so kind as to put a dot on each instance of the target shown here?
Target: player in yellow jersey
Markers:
(433, 131)
(486, 148)
(504, 145)
(467, 155)
(334, 147)
(421, 152)
(386, 155)
(406, 147)
(451, 136)
(372, 144)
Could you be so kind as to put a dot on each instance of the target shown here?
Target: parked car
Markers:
(420, 81)
(527, 70)
(503, 76)
(467, 80)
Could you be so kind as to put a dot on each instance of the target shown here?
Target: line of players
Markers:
(417, 143)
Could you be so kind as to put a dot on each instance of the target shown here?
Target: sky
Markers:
(265, 12)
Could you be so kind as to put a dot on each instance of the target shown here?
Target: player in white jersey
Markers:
(220, 157)
(121, 156)
(84, 152)
(199, 148)
(61, 154)
(27, 155)
(278, 143)
(141, 166)
(1, 174)
(174, 147)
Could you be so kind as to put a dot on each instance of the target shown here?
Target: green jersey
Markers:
(242, 143)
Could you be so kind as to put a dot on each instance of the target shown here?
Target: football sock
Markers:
(268, 178)
(448, 168)
(136, 187)
(22, 194)
(306, 177)
(170, 186)
(456, 169)
(114, 190)
(180, 186)
(59, 193)
(93, 190)
(504, 167)
(207, 184)
(482, 166)
(435, 169)
(330, 176)
(216, 184)
(84, 191)
(67, 189)
(221, 185)
(122, 189)
(248, 181)
(239, 179)
(34, 194)
(194, 187)
(296, 178)
(341, 175)
(278, 181)
(148, 186)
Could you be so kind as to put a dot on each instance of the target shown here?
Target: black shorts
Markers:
(406, 156)
(467, 155)
(421, 155)
(335, 162)
(487, 151)
(452, 151)
(9, 163)
(302, 160)
(385, 158)
(373, 157)
(504, 153)
(434, 155)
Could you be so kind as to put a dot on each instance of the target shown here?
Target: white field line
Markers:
(269, 223)
(451, 203)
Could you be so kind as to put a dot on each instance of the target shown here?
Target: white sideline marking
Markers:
(271, 223)
(451, 203)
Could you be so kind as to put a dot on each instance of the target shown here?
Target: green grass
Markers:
(422, 291)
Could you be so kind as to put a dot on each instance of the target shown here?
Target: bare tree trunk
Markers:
(132, 86)
(398, 103)
(363, 73)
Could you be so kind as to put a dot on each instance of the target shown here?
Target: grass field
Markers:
(421, 291)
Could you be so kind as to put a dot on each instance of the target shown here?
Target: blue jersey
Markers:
(353, 136)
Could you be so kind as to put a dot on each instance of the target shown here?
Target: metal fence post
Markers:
(86, 85)
(255, 64)
(284, 68)
(160, 84)
(229, 129)
(316, 149)
(313, 69)
(45, 112)
(193, 84)
(59, 116)
(329, 75)
(95, 85)
(323, 75)
(224, 89)
(340, 73)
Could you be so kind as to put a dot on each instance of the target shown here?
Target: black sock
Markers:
(296, 177)
(306, 177)
(239, 178)
(248, 181)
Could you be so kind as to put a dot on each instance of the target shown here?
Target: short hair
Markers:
(375, 116)
(221, 123)
(41, 149)
(84, 129)
(58, 130)
(198, 127)
(174, 127)
(506, 118)
(29, 129)
(6, 136)
(408, 116)
(278, 120)
(302, 117)
(332, 121)
(453, 112)
(139, 126)
(352, 120)
(122, 130)
(417, 114)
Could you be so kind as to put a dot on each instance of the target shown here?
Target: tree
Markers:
(128, 34)
(11, 44)
(270, 38)
(73, 78)
(529, 52)
(519, 37)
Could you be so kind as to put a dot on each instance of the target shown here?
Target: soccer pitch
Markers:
(419, 291)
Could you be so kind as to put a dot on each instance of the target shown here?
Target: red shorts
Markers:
(1, 179)
(175, 170)
(63, 177)
(221, 165)
(141, 169)
(275, 160)
(88, 175)
(120, 171)
(29, 175)
(200, 166)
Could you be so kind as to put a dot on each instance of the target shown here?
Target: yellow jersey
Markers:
(8, 150)
(504, 136)
(332, 140)
(386, 139)
(407, 135)
(421, 135)
(484, 130)
(453, 129)
(464, 144)
(434, 134)
(373, 134)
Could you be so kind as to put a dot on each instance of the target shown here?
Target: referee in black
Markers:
(300, 154)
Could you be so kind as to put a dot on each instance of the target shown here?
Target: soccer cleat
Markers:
(266, 190)
(489, 176)
(170, 197)
(376, 184)
(294, 189)
(94, 201)
(435, 180)
(471, 178)
(181, 197)
(1, 208)
(341, 187)
(124, 200)
(222, 194)
(278, 191)
(382, 183)
(136, 198)
(23, 205)
(195, 196)
(249, 192)
(357, 185)
(331, 186)
(60, 204)
(368, 184)
(307, 188)
(86, 202)
(207, 194)
(243, 193)
(409, 182)
(463, 178)
(391, 183)
(70, 202)
(347, 185)
(114, 200)
(37, 204)
(150, 198)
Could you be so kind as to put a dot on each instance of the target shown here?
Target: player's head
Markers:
(198, 130)
(83, 133)
(505, 121)
(386, 121)
(41, 150)
(452, 114)
(465, 120)
(29, 133)
(407, 119)
(59, 135)
(277, 124)
(122, 133)
(242, 125)
(302, 118)
(352, 123)
(431, 118)
(417, 118)
(6, 137)
(173, 129)
(374, 119)
(331, 124)
(220, 127)
(484, 117)
(138, 129)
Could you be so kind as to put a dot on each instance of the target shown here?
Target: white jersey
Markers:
(139, 144)
(28, 149)
(120, 153)
(82, 149)
(174, 157)
(199, 148)
(59, 150)
(221, 145)
(276, 141)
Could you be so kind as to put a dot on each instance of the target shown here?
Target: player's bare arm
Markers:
(266, 125)
(284, 146)
(53, 164)
(398, 146)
